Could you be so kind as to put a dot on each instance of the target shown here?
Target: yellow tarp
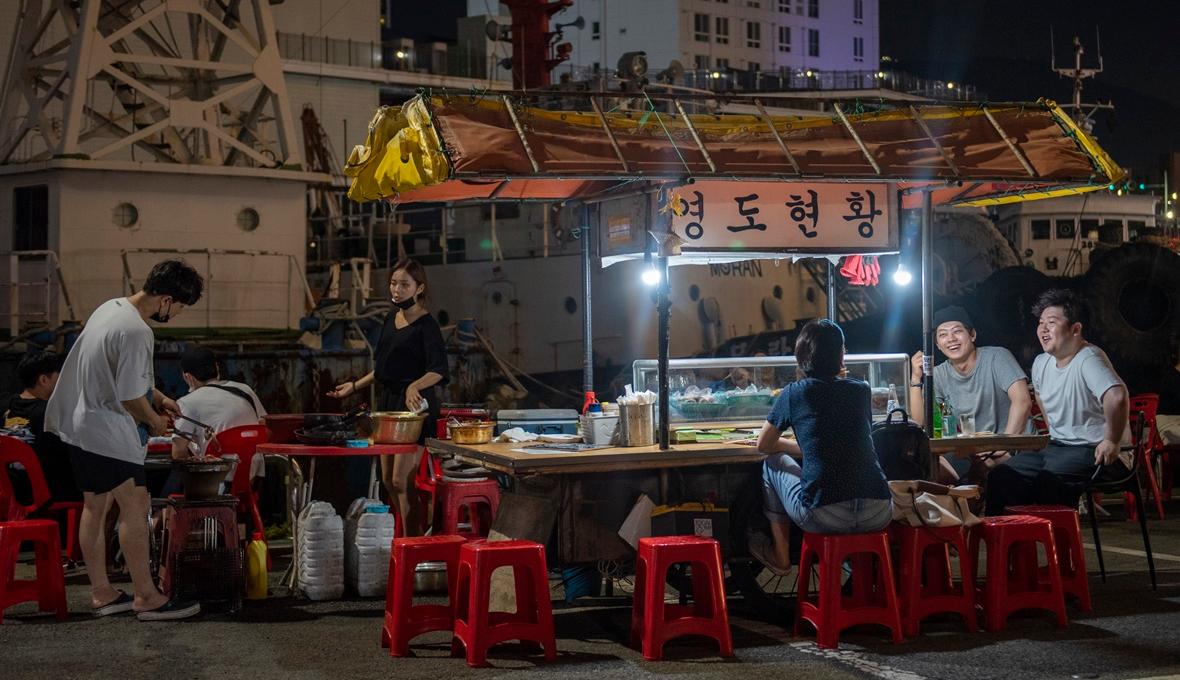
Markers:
(401, 152)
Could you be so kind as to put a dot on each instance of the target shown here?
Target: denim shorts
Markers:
(782, 492)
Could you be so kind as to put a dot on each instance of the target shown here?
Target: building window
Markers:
(125, 215)
(595, 30)
(1090, 229)
(700, 26)
(722, 30)
(1065, 230)
(753, 34)
(812, 42)
(1111, 232)
(722, 64)
(813, 9)
(1040, 230)
(30, 218)
(754, 67)
(701, 62)
(858, 49)
(784, 38)
(858, 11)
(799, 7)
(248, 219)
(784, 6)
(756, 4)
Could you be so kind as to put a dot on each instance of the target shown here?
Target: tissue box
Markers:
(697, 519)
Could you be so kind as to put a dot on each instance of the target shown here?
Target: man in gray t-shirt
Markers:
(1085, 405)
(985, 382)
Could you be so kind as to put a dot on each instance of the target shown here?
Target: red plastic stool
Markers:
(481, 498)
(49, 588)
(653, 623)
(925, 585)
(426, 482)
(405, 621)
(476, 628)
(1011, 585)
(1067, 536)
(874, 596)
(182, 518)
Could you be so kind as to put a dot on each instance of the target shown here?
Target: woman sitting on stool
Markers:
(840, 488)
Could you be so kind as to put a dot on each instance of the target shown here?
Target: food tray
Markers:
(701, 410)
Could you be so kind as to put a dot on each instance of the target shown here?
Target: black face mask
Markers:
(162, 318)
(406, 304)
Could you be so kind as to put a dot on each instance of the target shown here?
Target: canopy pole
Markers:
(927, 312)
(946, 156)
(777, 137)
(587, 312)
(1008, 141)
(831, 291)
(664, 311)
(856, 138)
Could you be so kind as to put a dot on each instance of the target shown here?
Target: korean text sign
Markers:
(723, 216)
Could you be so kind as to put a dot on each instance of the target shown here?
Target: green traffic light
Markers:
(1142, 186)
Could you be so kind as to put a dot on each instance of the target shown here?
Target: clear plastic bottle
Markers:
(950, 424)
(893, 402)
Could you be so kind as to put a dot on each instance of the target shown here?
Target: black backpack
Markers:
(902, 447)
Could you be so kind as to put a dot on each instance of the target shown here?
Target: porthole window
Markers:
(126, 215)
(248, 219)
(694, 292)
(444, 319)
(571, 305)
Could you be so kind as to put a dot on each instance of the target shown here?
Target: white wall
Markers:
(626, 26)
(338, 104)
(339, 19)
(176, 212)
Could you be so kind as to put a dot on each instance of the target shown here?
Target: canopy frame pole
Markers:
(587, 305)
(664, 312)
(782, 144)
(927, 223)
(695, 137)
(831, 291)
(856, 138)
(1008, 141)
(946, 156)
(520, 133)
(610, 134)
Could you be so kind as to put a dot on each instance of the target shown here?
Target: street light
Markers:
(950, 86)
(400, 54)
(1170, 214)
(902, 276)
(651, 276)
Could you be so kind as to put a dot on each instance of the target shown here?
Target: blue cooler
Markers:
(538, 420)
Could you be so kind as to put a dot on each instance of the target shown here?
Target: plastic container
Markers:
(597, 429)
(256, 568)
(637, 424)
(538, 420)
(320, 546)
(368, 534)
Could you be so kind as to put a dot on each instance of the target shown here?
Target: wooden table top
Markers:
(330, 451)
(502, 457)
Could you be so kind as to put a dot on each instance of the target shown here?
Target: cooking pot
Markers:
(396, 427)
(202, 477)
(472, 433)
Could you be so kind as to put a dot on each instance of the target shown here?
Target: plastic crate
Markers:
(215, 576)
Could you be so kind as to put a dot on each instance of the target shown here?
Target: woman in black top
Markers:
(411, 358)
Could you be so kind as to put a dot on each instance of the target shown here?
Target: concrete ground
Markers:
(1134, 632)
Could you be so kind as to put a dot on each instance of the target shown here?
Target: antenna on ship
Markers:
(1083, 117)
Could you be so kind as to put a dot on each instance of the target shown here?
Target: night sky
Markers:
(1002, 47)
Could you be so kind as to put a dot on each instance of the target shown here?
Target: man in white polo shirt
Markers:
(1085, 405)
(107, 386)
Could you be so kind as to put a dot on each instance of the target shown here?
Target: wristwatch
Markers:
(917, 384)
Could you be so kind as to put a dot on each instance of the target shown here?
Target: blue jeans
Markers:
(782, 492)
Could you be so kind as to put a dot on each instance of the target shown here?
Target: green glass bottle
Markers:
(938, 419)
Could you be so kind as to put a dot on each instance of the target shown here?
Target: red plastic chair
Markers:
(1067, 536)
(48, 590)
(403, 619)
(653, 623)
(242, 441)
(1148, 404)
(924, 580)
(13, 450)
(426, 483)
(1012, 583)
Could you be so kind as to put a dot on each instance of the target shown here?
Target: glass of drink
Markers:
(966, 424)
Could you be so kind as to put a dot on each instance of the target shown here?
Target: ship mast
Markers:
(1084, 118)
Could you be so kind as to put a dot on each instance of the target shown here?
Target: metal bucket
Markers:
(637, 425)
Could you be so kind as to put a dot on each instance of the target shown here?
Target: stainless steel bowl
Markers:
(430, 577)
(396, 427)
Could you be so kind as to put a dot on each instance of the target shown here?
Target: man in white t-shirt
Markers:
(105, 387)
(220, 404)
(1085, 404)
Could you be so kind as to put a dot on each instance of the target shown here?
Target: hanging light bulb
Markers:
(902, 276)
(650, 276)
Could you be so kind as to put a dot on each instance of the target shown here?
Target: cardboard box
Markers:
(692, 519)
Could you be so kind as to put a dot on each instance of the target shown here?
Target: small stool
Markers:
(49, 588)
(1067, 536)
(653, 623)
(182, 518)
(925, 585)
(476, 628)
(1011, 585)
(874, 597)
(405, 621)
(481, 498)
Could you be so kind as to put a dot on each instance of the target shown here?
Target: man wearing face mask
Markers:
(410, 360)
(106, 386)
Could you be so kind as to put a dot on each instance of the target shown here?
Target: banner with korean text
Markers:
(823, 218)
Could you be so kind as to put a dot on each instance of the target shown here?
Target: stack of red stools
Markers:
(925, 582)
(874, 596)
(405, 621)
(479, 498)
(1067, 536)
(49, 588)
(653, 622)
(1013, 582)
(181, 519)
(469, 572)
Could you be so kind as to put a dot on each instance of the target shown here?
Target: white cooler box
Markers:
(538, 420)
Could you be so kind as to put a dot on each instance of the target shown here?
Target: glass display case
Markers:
(742, 389)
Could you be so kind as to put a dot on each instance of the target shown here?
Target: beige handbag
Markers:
(926, 504)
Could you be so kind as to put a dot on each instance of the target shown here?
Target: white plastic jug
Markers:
(369, 532)
(320, 546)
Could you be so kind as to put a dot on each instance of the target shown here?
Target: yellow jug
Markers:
(256, 568)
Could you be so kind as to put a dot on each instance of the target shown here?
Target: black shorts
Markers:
(101, 474)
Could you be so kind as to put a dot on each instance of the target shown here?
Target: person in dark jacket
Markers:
(839, 488)
(26, 411)
(411, 360)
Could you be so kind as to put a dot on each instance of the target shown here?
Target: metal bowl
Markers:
(202, 477)
(396, 427)
(430, 577)
(472, 433)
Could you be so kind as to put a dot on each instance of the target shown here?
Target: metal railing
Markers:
(389, 55)
(53, 282)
